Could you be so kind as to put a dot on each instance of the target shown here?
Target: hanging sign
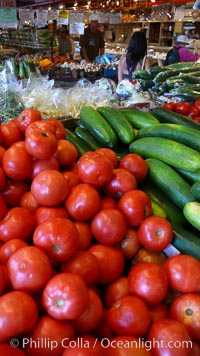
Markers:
(76, 28)
(115, 18)
(26, 16)
(8, 17)
(53, 15)
(41, 18)
(64, 17)
(104, 17)
(76, 17)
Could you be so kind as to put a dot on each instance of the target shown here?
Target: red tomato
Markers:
(170, 106)
(85, 234)
(18, 223)
(84, 345)
(18, 312)
(28, 201)
(48, 332)
(10, 133)
(13, 192)
(129, 244)
(29, 269)
(3, 207)
(9, 247)
(59, 128)
(26, 117)
(186, 309)
(136, 165)
(3, 278)
(94, 168)
(183, 272)
(108, 226)
(17, 162)
(197, 104)
(49, 187)
(65, 296)
(183, 108)
(41, 144)
(57, 237)
(120, 182)
(172, 338)
(128, 346)
(108, 153)
(158, 311)
(7, 350)
(129, 316)
(66, 154)
(2, 178)
(115, 290)
(196, 118)
(72, 178)
(40, 165)
(2, 150)
(144, 255)
(155, 233)
(108, 203)
(148, 281)
(193, 112)
(111, 262)
(136, 206)
(83, 202)
(45, 212)
(40, 125)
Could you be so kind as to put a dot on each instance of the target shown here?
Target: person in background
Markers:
(92, 42)
(135, 58)
(66, 44)
(185, 55)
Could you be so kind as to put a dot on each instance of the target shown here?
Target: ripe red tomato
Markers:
(115, 290)
(136, 206)
(29, 269)
(183, 108)
(45, 212)
(84, 345)
(9, 247)
(121, 181)
(197, 104)
(136, 165)
(94, 168)
(65, 296)
(186, 309)
(148, 281)
(17, 163)
(108, 153)
(41, 144)
(40, 165)
(18, 312)
(159, 311)
(2, 150)
(57, 237)
(172, 338)
(85, 234)
(108, 226)
(183, 272)
(108, 203)
(7, 350)
(2, 178)
(26, 117)
(66, 154)
(128, 346)
(3, 207)
(3, 278)
(144, 255)
(10, 133)
(59, 128)
(28, 201)
(72, 178)
(13, 191)
(129, 244)
(170, 106)
(40, 125)
(83, 202)
(49, 187)
(194, 111)
(129, 316)
(155, 233)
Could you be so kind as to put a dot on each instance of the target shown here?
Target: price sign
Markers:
(64, 17)
(53, 15)
(115, 18)
(104, 17)
(8, 17)
(76, 17)
(76, 28)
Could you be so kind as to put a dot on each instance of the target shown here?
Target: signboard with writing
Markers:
(64, 17)
(115, 18)
(76, 17)
(76, 28)
(8, 17)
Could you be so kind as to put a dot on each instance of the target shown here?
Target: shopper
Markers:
(66, 44)
(135, 58)
(92, 42)
(179, 53)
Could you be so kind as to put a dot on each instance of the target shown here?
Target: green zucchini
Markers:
(191, 212)
(138, 118)
(195, 190)
(185, 241)
(98, 126)
(143, 74)
(191, 177)
(168, 116)
(121, 126)
(87, 138)
(173, 213)
(188, 78)
(171, 152)
(80, 145)
(183, 134)
(171, 73)
(169, 182)
(185, 93)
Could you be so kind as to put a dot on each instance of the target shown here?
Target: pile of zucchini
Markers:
(171, 148)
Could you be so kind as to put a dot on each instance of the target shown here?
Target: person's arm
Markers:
(84, 54)
(187, 56)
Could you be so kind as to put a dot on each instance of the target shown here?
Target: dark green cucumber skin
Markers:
(183, 134)
(169, 182)
(195, 189)
(172, 72)
(174, 214)
(186, 241)
(172, 152)
(139, 119)
(189, 78)
(84, 135)
(191, 177)
(122, 127)
(80, 145)
(168, 116)
(98, 127)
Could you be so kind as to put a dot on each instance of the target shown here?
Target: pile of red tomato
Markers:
(185, 108)
(82, 268)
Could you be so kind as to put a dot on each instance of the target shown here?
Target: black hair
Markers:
(136, 51)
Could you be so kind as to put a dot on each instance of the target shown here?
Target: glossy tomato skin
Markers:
(59, 128)
(29, 202)
(46, 212)
(183, 272)
(83, 202)
(129, 316)
(170, 106)
(40, 125)
(121, 181)
(84, 345)
(40, 165)
(136, 165)
(10, 133)
(155, 233)
(128, 346)
(3, 207)
(197, 104)
(26, 117)
(129, 244)
(108, 226)
(7, 350)
(108, 203)
(159, 311)
(94, 168)
(136, 206)
(9, 247)
(17, 162)
(57, 237)
(148, 281)
(144, 255)
(72, 178)
(18, 312)
(85, 234)
(185, 308)
(41, 144)
(115, 290)
(66, 154)
(49, 187)
(29, 269)
(183, 108)
(65, 296)
(172, 338)
(108, 153)
(13, 192)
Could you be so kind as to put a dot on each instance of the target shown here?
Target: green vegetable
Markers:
(186, 241)
(195, 189)
(168, 116)
(139, 119)
(191, 212)
(87, 138)
(80, 145)
(157, 209)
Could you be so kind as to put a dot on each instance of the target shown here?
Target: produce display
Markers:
(99, 233)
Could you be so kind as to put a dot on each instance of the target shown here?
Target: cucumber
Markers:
(186, 135)
(191, 211)
(122, 127)
(80, 145)
(188, 78)
(157, 209)
(156, 69)
(172, 72)
(186, 241)
(174, 153)
(143, 74)
(138, 118)
(173, 213)
(191, 177)
(174, 82)
(87, 138)
(195, 190)
(169, 182)
(185, 93)
(181, 65)
(98, 126)
(168, 116)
